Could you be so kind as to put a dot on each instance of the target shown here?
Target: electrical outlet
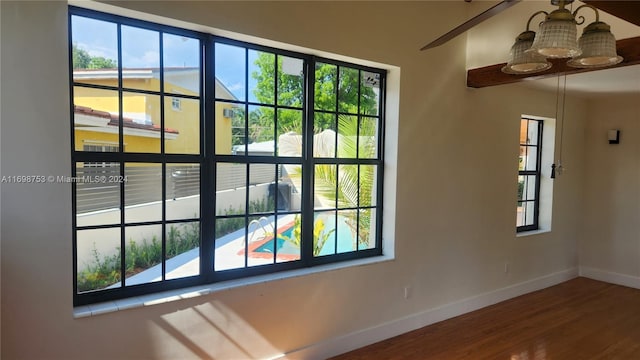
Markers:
(407, 292)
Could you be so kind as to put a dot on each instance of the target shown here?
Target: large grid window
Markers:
(529, 174)
(274, 161)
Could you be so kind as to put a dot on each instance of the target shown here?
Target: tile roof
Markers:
(114, 119)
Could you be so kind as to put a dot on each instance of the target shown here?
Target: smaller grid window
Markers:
(176, 104)
(529, 174)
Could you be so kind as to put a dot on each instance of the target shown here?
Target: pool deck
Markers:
(229, 254)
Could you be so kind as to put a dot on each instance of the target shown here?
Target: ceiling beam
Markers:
(492, 75)
(627, 10)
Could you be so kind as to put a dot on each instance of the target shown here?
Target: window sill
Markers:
(195, 291)
(532, 232)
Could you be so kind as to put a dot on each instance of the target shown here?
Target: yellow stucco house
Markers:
(96, 112)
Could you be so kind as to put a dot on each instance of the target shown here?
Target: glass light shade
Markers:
(557, 39)
(523, 62)
(598, 50)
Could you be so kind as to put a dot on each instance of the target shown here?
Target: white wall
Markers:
(610, 238)
(456, 195)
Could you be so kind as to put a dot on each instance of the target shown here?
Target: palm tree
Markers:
(354, 189)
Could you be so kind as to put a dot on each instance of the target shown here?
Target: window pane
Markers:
(230, 72)
(525, 213)
(141, 123)
(522, 159)
(94, 51)
(369, 93)
(97, 201)
(348, 90)
(368, 185)
(182, 125)
(346, 231)
(230, 243)
(324, 140)
(368, 139)
(289, 133)
(140, 58)
(182, 191)
(98, 259)
(290, 185)
(226, 226)
(262, 192)
(280, 196)
(288, 238)
(529, 212)
(347, 136)
(325, 87)
(530, 187)
(324, 234)
(143, 254)
(524, 125)
(532, 132)
(231, 190)
(143, 192)
(261, 131)
(262, 77)
(230, 128)
(520, 216)
(529, 158)
(259, 235)
(95, 119)
(348, 188)
(325, 186)
(182, 250)
(290, 81)
(181, 61)
(521, 187)
(367, 229)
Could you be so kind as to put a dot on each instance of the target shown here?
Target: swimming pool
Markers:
(341, 240)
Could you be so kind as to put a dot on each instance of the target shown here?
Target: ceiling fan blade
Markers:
(626, 10)
(494, 10)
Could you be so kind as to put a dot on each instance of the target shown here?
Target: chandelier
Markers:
(556, 38)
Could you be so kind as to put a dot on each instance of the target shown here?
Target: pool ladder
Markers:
(259, 222)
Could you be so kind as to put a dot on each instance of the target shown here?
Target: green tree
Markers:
(99, 62)
(82, 60)
(290, 93)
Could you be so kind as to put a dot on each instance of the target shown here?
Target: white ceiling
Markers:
(602, 82)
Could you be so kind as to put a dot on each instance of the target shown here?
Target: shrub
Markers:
(104, 270)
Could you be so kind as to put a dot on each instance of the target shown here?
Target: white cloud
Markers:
(236, 86)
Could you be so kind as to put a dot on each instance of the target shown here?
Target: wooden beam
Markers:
(627, 10)
(491, 75)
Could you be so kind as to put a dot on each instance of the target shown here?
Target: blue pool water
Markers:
(342, 236)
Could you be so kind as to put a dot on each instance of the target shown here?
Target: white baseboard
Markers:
(610, 277)
(358, 339)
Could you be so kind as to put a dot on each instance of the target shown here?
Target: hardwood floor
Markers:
(580, 319)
